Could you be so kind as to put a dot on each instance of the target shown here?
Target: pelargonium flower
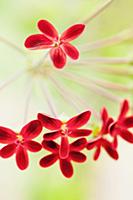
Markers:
(100, 141)
(122, 125)
(20, 143)
(64, 130)
(59, 45)
(65, 164)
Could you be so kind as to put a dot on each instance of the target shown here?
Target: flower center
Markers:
(57, 43)
(64, 129)
(20, 138)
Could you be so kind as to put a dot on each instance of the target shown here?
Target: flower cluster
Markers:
(64, 150)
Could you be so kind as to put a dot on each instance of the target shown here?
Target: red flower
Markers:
(60, 46)
(100, 141)
(19, 143)
(65, 130)
(123, 123)
(65, 164)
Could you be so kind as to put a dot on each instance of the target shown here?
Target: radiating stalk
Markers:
(99, 10)
(40, 62)
(115, 39)
(48, 98)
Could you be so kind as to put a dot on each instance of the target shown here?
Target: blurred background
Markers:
(21, 99)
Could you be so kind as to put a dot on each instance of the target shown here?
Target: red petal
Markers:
(31, 130)
(124, 109)
(93, 143)
(49, 122)
(79, 120)
(33, 146)
(71, 51)
(77, 156)
(52, 135)
(80, 133)
(110, 149)
(126, 135)
(104, 114)
(106, 125)
(7, 135)
(49, 160)
(38, 41)
(8, 150)
(64, 147)
(97, 153)
(66, 168)
(50, 146)
(22, 159)
(58, 57)
(128, 122)
(48, 29)
(78, 145)
(73, 32)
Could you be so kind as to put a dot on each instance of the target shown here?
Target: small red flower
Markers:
(19, 143)
(65, 130)
(65, 164)
(122, 124)
(100, 141)
(59, 45)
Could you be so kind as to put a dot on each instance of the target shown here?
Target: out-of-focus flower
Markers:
(64, 130)
(19, 143)
(59, 45)
(65, 164)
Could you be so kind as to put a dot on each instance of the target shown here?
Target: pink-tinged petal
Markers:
(97, 153)
(8, 150)
(22, 159)
(124, 109)
(72, 33)
(48, 29)
(66, 168)
(80, 133)
(33, 146)
(126, 135)
(110, 149)
(50, 146)
(79, 120)
(78, 157)
(7, 135)
(49, 160)
(31, 130)
(78, 145)
(52, 135)
(128, 122)
(58, 57)
(64, 147)
(71, 51)
(49, 122)
(38, 41)
(104, 114)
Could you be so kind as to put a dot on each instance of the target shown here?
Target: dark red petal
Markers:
(33, 146)
(7, 135)
(106, 125)
(97, 153)
(22, 159)
(49, 160)
(8, 150)
(124, 109)
(73, 32)
(64, 147)
(38, 41)
(50, 146)
(128, 122)
(58, 57)
(115, 142)
(66, 168)
(31, 130)
(93, 143)
(104, 114)
(49, 122)
(78, 145)
(110, 149)
(71, 51)
(126, 135)
(79, 120)
(48, 29)
(52, 135)
(78, 156)
(80, 133)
